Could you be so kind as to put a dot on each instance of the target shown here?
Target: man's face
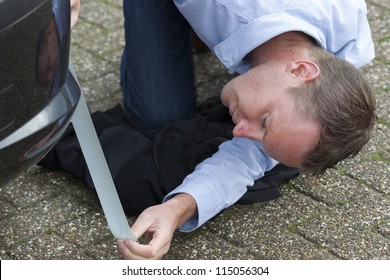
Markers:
(264, 111)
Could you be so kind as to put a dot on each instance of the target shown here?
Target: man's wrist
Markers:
(184, 207)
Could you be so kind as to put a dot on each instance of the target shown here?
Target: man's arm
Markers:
(75, 11)
(217, 183)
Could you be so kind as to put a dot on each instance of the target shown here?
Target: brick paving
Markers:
(342, 214)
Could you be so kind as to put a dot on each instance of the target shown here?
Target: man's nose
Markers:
(244, 129)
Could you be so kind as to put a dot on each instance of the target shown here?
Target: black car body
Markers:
(38, 95)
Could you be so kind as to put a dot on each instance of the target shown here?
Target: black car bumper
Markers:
(38, 94)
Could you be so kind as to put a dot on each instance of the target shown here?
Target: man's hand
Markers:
(75, 11)
(158, 223)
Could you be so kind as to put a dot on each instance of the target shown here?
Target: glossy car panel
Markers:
(38, 95)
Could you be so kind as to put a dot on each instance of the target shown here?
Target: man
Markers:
(293, 102)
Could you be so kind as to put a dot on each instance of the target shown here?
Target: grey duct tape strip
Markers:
(97, 165)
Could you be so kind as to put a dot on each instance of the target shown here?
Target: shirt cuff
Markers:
(200, 191)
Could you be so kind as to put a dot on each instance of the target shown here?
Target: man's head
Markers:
(310, 112)
(263, 109)
(341, 101)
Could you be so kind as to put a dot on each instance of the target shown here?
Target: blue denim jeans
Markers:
(157, 75)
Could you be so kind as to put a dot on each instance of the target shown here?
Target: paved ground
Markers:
(343, 214)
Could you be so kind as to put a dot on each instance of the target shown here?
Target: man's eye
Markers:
(264, 122)
(264, 125)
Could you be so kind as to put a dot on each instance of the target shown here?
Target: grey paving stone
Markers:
(332, 187)
(109, 17)
(106, 95)
(354, 221)
(6, 208)
(47, 247)
(367, 246)
(23, 191)
(288, 246)
(247, 224)
(87, 229)
(101, 44)
(206, 246)
(384, 228)
(104, 250)
(39, 218)
(89, 66)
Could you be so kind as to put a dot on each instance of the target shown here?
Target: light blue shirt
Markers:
(221, 180)
(232, 29)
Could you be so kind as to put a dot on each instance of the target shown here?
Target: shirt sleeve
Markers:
(219, 181)
(233, 28)
(349, 37)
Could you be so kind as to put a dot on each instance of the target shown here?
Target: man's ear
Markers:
(304, 70)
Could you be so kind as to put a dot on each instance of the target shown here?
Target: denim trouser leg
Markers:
(157, 75)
